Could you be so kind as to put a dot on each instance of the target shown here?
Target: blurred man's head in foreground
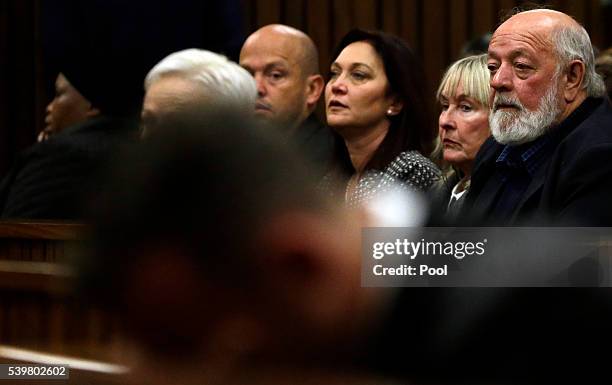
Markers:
(215, 244)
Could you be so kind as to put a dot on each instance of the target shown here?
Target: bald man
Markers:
(285, 64)
(548, 159)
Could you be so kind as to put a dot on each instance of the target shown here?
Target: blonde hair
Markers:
(472, 73)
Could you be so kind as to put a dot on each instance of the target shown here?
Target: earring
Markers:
(389, 112)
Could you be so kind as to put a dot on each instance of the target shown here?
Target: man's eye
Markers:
(277, 75)
(521, 66)
(492, 68)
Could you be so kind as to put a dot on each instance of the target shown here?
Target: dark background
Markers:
(436, 29)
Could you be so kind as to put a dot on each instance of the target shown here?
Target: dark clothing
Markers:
(494, 336)
(316, 141)
(53, 179)
(517, 335)
(563, 178)
(439, 197)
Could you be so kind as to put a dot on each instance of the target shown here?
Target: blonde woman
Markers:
(463, 126)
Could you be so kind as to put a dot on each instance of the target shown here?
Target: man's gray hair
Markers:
(573, 43)
(226, 82)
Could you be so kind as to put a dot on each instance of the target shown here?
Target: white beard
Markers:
(523, 126)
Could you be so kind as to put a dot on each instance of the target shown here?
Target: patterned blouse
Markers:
(410, 170)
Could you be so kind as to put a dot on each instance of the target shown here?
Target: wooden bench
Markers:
(38, 307)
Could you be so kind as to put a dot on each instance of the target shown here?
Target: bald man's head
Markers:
(541, 64)
(300, 44)
(285, 64)
(569, 40)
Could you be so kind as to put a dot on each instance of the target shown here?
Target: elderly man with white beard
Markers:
(549, 158)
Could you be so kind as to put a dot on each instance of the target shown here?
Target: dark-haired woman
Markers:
(376, 101)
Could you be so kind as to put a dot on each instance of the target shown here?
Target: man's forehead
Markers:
(264, 45)
(533, 28)
(521, 40)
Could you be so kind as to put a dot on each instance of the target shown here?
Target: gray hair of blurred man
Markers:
(231, 85)
(573, 43)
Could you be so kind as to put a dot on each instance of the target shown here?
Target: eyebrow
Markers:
(513, 54)
(354, 65)
(276, 63)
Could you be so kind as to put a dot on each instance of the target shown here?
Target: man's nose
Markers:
(501, 80)
(261, 86)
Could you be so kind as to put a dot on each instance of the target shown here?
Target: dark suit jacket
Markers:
(572, 187)
(54, 179)
(316, 142)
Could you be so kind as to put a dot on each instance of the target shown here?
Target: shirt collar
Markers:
(528, 156)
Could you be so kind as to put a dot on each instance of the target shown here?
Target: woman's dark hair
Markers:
(412, 128)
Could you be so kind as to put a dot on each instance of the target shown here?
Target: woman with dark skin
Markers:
(68, 107)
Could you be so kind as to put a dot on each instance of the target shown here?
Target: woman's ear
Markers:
(395, 107)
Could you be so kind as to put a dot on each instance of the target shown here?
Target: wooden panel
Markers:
(268, 12)
(409, 28)
(435, 52)
(318, 29)
(249, 15)
(484, 17)
(390, 19)
(343, 21)
(578, 10)
(294, 14)
(595, 21)
(41, 230)
(34, 276)
(458, 26)
(365, 14)
(504, 8)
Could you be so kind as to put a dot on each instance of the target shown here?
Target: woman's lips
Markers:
(336, 104)
(450, 143)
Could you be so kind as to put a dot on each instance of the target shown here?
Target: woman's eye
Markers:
(333, 74)
(444, 106)
(358, 75)
(465, 107)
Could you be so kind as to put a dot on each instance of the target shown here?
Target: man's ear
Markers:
(292, 245)
(314, 88)
(304, 257)
(574, 79)
(92, 111)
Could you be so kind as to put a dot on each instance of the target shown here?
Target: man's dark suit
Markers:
(53, 179)
(572, 187)
(516, 335)
(316, 142)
